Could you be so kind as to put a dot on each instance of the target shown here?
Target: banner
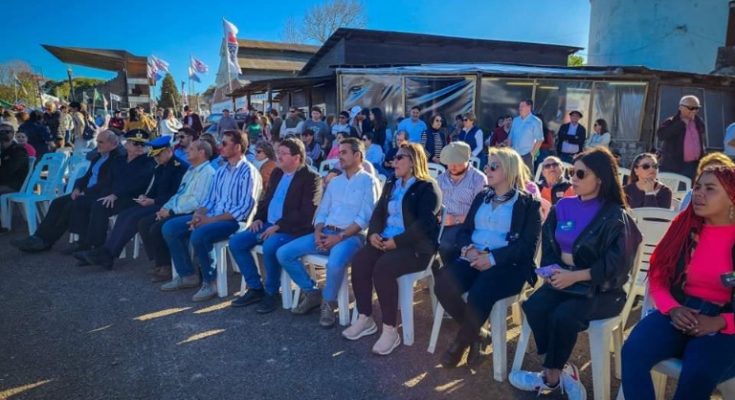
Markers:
(231, 41)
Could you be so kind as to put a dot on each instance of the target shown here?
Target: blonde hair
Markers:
(420, 162)
(714, 158)
(517, 173)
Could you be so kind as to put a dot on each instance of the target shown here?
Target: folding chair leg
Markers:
(436, 327)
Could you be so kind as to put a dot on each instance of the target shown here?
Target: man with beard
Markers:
(459, 186)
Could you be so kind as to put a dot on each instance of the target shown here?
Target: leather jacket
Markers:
(607, 246)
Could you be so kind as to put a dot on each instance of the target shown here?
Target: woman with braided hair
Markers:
(694, 316)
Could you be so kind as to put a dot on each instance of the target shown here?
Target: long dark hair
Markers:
(602, 163)
(379, 122)
(133, 114)
(603, 125)
(637, 160)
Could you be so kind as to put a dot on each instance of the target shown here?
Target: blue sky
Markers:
(171, 31)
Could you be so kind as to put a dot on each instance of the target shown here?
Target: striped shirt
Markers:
(457, 197)
(235, 190)
(193, 189)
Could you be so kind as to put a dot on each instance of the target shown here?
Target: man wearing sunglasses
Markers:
(184, 137)
(681, 139)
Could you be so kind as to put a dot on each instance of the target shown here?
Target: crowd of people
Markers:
(258, 185)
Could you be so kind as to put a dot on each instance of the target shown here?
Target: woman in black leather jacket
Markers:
(589, 247)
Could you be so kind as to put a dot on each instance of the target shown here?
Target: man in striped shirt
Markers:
(231, 199)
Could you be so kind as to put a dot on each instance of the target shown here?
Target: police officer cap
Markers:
(137, 135)
(158, 144)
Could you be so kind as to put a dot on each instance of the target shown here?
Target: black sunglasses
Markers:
(400, 157)
(181, 137)
(139, 144)
(551, 165)
(579, 173)
(648, 166)
(692, 108)
(493, 166)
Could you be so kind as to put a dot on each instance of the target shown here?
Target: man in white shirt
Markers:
(339, 232)
(526, 133)
(730, 141)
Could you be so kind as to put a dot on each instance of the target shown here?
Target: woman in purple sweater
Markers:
(589, 246)
(644, 189)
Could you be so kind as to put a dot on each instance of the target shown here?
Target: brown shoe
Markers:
(162, 274)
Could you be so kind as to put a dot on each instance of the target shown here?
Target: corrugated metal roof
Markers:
(263, 45)
(270, 64)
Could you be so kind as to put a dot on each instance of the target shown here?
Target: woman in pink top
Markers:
(694, 316)
(22, 139)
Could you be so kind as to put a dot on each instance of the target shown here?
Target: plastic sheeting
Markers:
(385, 92)
(465, 69)
(447, 96)
(621, 105)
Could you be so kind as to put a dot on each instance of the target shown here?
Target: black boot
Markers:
(451, 358)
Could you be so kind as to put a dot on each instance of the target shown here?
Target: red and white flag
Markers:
(231, 41)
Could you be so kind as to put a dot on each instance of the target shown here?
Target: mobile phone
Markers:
(547, 271)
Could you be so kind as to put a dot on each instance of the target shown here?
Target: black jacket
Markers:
(671, 139)
(14, 166)
(166, 180)
(579, 138)
(421, 205)
(302, 199)
(38, 136)
(523, 237)
(104, 179)
(130, 179)
(607, 246)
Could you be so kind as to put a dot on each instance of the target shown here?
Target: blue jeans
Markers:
(706, 360)
(178, 236)
(240, 247)
(339, 256)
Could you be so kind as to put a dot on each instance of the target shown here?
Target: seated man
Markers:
(130, 178)
(13, 164)
(339, 232)
(184, 138)
(231, 199)
(96, 183)
(459, 186)
(166, 179)
(284, 213)
(193, 191)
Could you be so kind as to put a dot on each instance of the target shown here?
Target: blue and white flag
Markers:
(193, 76)
(199, 66)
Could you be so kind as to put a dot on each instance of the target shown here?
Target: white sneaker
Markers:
(531, 382)
(364, 326)
(388, 341)
(571, 383)
(206, 292)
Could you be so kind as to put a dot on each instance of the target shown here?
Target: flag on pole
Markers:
(105, 103)
(199, 66)
(96, 96)
(153, 71)
(115, 97)
(160, 64)
(193, 76)
(231, 40)
(20, 85)
(85, 97)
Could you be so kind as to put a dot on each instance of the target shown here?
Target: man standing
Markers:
(459, 186)
(284, 213)
(96, 183)
(414, 126)
(52, 119)
(526, 133)
(681, 139)
(319, 127)
(231, 199)
(293, 125)
(130, 178)
(117, 121)
(66, 126)
(226, 123)
(166, 179)
(276, 125)
(192, 120)
(339, 232)
(571, 139)
(729, 141)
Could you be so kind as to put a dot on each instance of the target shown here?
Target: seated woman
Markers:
(714, 159)
(554, 185)
(265, 161)
(402, 237)
(694, 316)
(589, 247)
(495, 245)
(401, 137)
(643, 188)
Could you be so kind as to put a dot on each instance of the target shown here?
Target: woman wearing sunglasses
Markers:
(600, 135)
(402, 237)
(589, 246)
(694, 316)
(493, 253)
(433, 139)
(644, 189)
(554, 184)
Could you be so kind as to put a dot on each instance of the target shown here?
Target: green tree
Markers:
(575, 60)
(170, 96)
(60, 88)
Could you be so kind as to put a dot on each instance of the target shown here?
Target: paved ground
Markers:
(69, 332)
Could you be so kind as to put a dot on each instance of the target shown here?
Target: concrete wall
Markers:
(676, 35)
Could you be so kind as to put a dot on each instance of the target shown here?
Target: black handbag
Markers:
(90, 128)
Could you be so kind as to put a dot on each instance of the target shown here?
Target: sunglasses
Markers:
(648, 166)
(551, 165)
(493, 166)
(579, 173)
(181, 137)
(259, 151)
(465, 119)
(400, 157)
(691, 108)
(139, 144)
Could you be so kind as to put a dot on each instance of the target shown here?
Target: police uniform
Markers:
(166, 180)
(130, 179)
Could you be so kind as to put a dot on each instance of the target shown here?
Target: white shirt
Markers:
(492, 226)
(730, 135)
(170, 127)
(348, 200)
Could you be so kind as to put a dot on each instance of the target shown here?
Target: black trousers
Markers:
(446, 244)
(126, 226)
(97, 220)
(373, 267)
(153, 242)
(483, 290)
(57, 220)
(556, 318)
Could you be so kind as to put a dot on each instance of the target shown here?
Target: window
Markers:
(555, 99)
(499, 97)
(621, 105)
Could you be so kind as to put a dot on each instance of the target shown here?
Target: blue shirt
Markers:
(96, 170)
(394, 225)
(180, 152)
(275, 208)
(414, 129)
(524, 133)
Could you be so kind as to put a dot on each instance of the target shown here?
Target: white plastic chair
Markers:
(675, 181)
(45, 183)
(287, 297)
(498, 329)
(600, 334)
(343, 296)
(436, 169)
(653, 224)
(475, 162)
(622, 174)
